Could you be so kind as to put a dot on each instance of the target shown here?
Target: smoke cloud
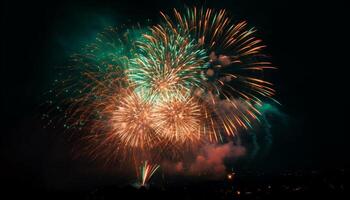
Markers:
(210, 161)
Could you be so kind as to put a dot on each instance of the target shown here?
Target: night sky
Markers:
(36, 37)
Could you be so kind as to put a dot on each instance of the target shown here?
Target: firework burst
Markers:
(167, 63)
(132, 121)
(235, 70)
(179, 120)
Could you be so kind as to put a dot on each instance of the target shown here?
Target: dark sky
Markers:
(36, 36)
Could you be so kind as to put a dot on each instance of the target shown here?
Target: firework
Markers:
(179, 120)
(236, 63)
(146, 171)
(234, 51)
(167, 63)
(91, 78)
(195, 78)
(132, 121)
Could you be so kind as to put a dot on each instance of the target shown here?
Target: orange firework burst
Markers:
(132, 121)
(179, 120)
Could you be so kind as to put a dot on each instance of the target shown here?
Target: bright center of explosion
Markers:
(178, 120)
(132, 121)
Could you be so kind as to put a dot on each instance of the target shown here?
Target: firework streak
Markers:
(146, 172)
